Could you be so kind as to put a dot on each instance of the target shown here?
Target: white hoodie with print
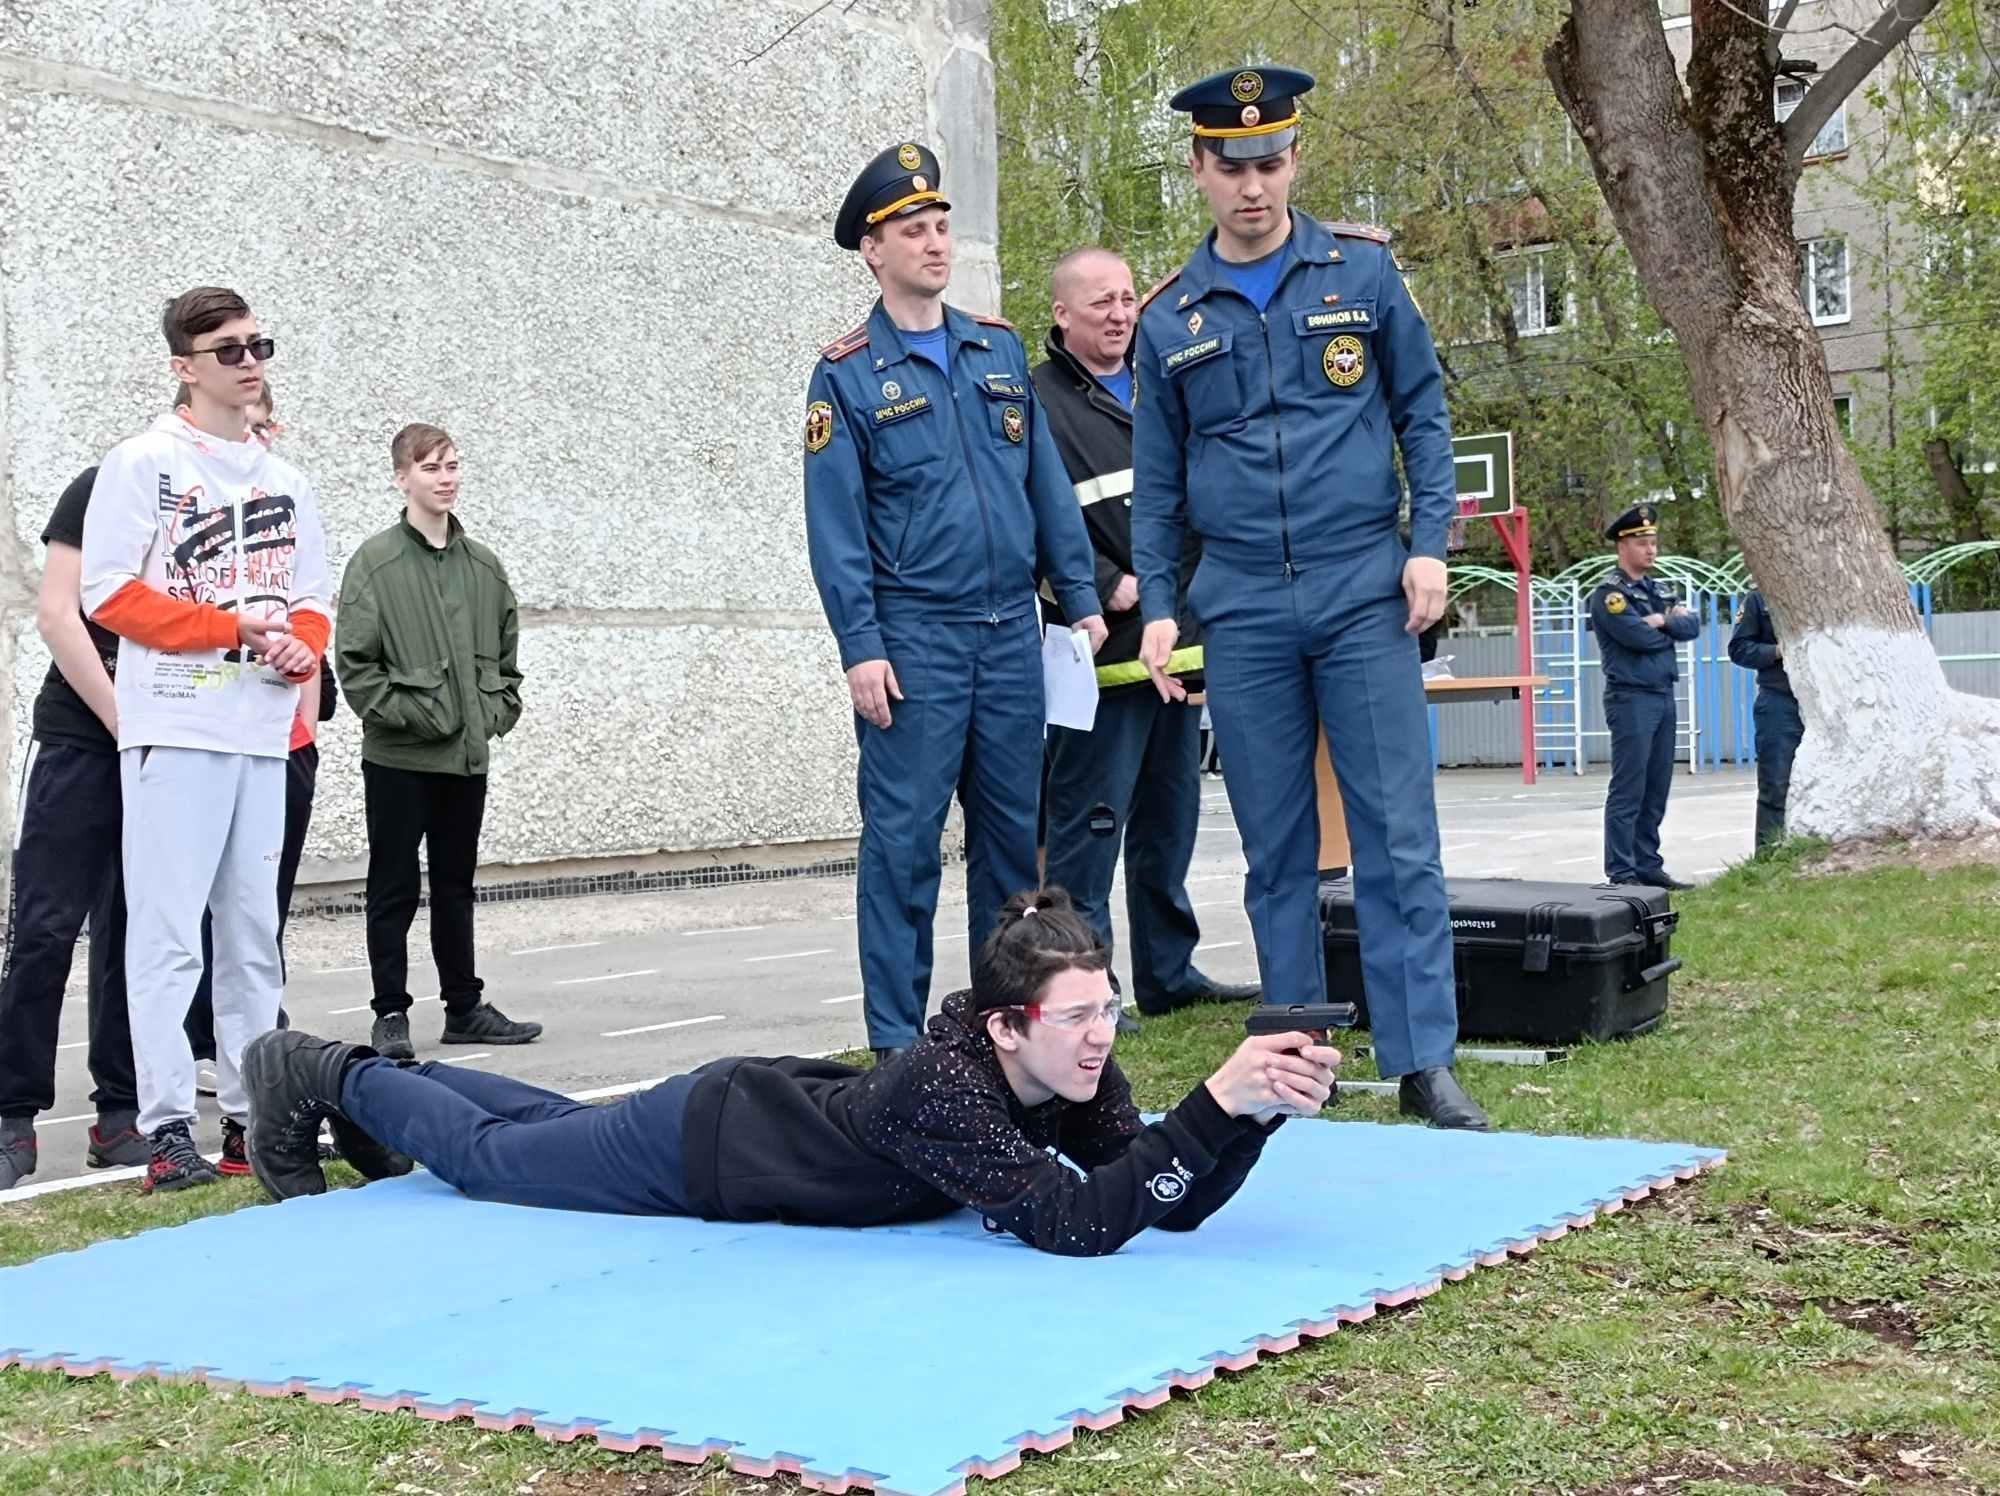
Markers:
(209, 525)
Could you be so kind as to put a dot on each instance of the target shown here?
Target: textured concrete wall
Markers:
(590, 239)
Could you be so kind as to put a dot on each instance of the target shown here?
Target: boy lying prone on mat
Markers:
(1015, 1069)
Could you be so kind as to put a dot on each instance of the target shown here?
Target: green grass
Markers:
(1820, 1316)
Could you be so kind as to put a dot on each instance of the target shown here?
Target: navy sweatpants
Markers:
(1780, 729)
(502, 1140)
(1642, 727)
(1132, 781)
(969, 723)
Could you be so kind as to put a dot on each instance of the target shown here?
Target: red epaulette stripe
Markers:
(1360, 231)
(992, 322)
(846, 343)
(1147, 299)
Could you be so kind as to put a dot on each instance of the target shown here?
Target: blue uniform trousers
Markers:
(1142, 764)
(970, 722)
(1281, 658)
(1779, 729)
(1642, 771)
(498, 1139)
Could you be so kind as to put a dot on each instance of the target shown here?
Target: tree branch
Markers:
(1898, 19)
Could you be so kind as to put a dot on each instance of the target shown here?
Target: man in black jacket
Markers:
(1754, 645)
(1016, 1067)
(1135, 778)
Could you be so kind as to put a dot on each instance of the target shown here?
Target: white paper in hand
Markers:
(1069, 678)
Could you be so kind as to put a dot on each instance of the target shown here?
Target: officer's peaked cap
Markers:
(1640, 519)
(901, 180)
(1246, 114)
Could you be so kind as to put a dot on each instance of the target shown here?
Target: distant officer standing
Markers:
(1637, 626)
(1133, 781)
(935, 498)
(1754, 645)
(1279, 372)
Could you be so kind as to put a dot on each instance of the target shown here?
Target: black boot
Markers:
(292, 1080)
(1435, 1093)
(486, 1024)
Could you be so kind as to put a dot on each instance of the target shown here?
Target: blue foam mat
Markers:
(904, 1359)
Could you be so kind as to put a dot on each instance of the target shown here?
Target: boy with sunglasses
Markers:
(203, 552)
(1009, 1073)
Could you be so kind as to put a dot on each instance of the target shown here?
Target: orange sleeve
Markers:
(312, 629)
(136, 612)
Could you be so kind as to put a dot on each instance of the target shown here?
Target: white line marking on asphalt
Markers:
(464, 1059)
(1703, 872)
(723, 930)
(940, 939)
(792, 955)
(654, 1028)
(609, 976)
(58, 1121)
(1718, 835)
(1213, 903)
(605, 1093)
(536, 950)
(334, 971)
(364, 1007)
(852, 997)
(1527, 836)
(1458, 846)
(1568, 861)
(1218, 945)
(78, 1045)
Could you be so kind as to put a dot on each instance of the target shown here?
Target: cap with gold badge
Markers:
(1640, 519)
(1245, 114)
(903, 179)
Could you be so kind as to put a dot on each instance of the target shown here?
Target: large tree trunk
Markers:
(1701, 184)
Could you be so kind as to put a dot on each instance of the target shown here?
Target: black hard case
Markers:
(1544, 963)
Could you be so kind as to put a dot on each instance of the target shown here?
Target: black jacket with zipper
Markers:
(815, 1142)
(1094, 434)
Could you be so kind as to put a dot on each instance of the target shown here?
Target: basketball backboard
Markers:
(1485, 472)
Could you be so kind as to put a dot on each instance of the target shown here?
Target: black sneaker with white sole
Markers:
(176, 1163)
(486, 1024)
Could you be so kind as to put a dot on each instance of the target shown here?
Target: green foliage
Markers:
(1939, 175)
(1435, 121)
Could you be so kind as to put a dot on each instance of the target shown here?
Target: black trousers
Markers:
(66, 867)
(301, 781)
(442, 812)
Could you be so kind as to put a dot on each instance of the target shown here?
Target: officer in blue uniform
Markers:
(1754, 645)
(1279, 370)
(1637, 626)
(935, 500)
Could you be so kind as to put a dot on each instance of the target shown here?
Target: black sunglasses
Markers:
(229, 355)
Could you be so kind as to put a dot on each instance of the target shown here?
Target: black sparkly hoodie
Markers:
(814, 1142)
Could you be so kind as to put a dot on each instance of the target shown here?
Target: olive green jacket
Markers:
(425, 650)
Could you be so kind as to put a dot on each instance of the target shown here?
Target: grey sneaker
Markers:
(390, 1037)
(486, 1024)
(116, 1142)
(18, 1151)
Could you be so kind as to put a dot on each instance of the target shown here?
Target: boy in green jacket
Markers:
(425, 653)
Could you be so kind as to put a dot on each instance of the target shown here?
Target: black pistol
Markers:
(1316, 1019)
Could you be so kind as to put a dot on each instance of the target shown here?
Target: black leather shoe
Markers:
(1127, 1024)
(889, 1052)
(1205, 990)
(1668, 880)
(486, 1024)
(1435, 1093)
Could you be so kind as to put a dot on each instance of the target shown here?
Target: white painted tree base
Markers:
(1890, 749)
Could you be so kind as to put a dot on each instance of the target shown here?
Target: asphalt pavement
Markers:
(634, 987)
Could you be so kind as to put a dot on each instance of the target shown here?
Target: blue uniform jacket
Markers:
(1753, 644)
(931, 500)
(1274, 435)
(1636, 656)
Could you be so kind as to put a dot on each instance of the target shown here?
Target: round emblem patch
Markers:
(891, 390)
(1247, 88)
(1614, 602)
(1012, 424)
(1342, 360)
(1165, 1187)
(909, 158)
(1251, 115)
(819, 425)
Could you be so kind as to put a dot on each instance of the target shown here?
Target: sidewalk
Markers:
(639, 986)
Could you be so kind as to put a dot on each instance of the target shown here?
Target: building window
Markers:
(1538, 290)
(1824, 283)
(1832, 137)
(1843, 413)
